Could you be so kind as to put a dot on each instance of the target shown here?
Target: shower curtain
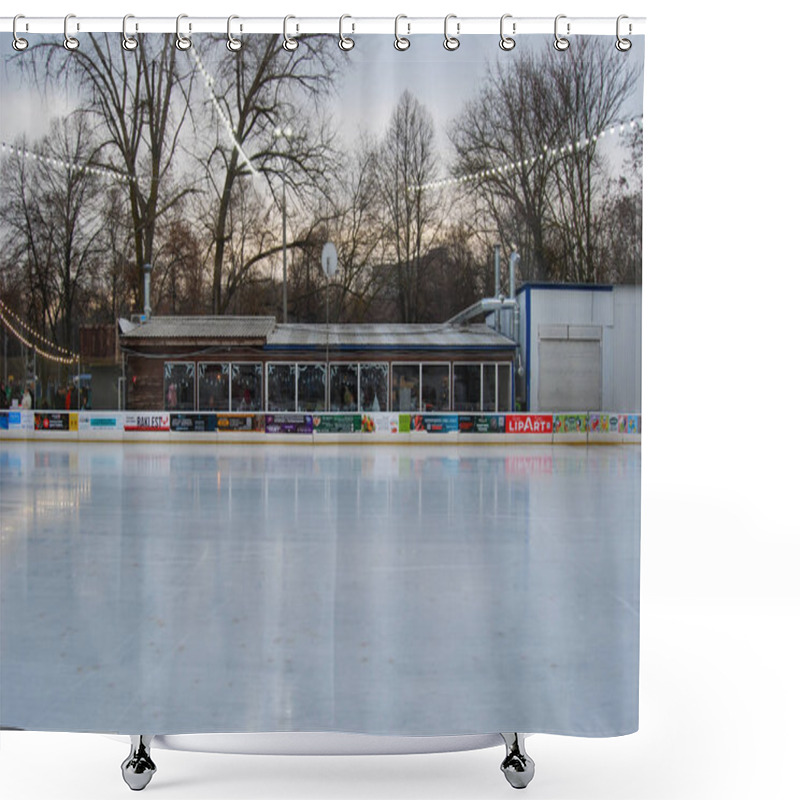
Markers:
(384, 590)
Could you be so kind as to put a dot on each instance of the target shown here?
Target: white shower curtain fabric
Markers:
(448, 590)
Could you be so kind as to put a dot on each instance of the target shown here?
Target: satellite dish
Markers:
(330, 259)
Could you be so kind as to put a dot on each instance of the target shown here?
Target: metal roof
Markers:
(200, 328)
(394, 336)
(272, 336)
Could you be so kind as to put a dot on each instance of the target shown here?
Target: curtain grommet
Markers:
(19, 44)
(561, 43)
(129, 43)
(623, 45)
(70, 42)
(346, 43)
(507, 42)
(182, 42)
(233, 44)
(290, 44)
(451, 43)
(401, 42)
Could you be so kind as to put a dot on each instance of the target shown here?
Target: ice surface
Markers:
(392, 590)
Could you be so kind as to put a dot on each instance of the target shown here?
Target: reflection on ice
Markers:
(427, 590)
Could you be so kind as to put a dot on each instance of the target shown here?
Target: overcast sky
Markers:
(373, 76)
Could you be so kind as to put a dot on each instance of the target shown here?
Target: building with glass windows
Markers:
(217, 364)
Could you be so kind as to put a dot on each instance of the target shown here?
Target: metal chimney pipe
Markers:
(497, 270)
(147, 269)
(512, 282)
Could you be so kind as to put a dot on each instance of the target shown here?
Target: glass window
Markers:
(466, 387)
(213, 387)
(281, 387)
(489, 385)
(374, 387)
(435, 387)
(504, 398)
(179, 386)
(246, 387)
(405, 387)
(310, 387)
(344, 387)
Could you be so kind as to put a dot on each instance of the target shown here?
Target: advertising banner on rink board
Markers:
(147, 422)
(630, 423)
(337, 423)
(99, 421)
(383, 422)
(192, 423)
(482, 423)
(240, 422)
(3, 421)
(55, 421)
(289, 423)
(570, 423)
(615, 423)
(436, 423)
(529, 423)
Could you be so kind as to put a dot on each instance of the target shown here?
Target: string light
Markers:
(570, 147)
(103, 172)
(209, 79)
(71, 357)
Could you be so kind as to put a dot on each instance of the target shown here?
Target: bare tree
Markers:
(412, 212)
(140, 100)
(516, 142)
(52, 213)
(256, 92)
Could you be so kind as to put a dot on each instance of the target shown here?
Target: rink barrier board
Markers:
(329, 428)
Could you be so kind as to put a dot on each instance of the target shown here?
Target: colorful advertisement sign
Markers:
(436, 423)
(404, 423)
(630, 423)
(337, 423)
(95, 422)
(483, 423)
(3, 422)
(529, 423)
(192, 423)
(289, 423)
(240, 422)
(147, 422)
(570, 423)
(55, 421)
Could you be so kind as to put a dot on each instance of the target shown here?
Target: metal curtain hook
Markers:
(182, 42)
(234, 45)
(451, 42)
(561, 43)
(128, 42)
(70, 42)
(289, 43)
(345, 42)
(623, 45)
(400, 42)
(19, 43)
(506, 42)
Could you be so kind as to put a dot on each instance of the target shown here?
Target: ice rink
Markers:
(411, 590)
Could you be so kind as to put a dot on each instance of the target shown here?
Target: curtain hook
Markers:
(623, 45)
(400, 42)
(451, 42)
(234, 45)
(128, 42)
(289, 43)
(182, 42)
(70, 42)
(506, 42)
(19, 43)
(561, 43)
(345, 42)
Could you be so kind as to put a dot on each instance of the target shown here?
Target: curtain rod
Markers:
(460, 26)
